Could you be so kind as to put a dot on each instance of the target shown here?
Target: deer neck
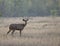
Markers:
(25, 23)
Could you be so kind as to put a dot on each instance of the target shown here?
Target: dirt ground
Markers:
(39, 31)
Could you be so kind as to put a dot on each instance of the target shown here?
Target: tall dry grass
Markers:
(40, 31)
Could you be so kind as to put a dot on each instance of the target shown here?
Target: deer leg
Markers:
(13, 32)
(8, 31)
(20, 33)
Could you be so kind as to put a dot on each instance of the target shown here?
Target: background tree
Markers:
(29, 7)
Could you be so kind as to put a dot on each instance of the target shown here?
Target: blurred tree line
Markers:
(12, 8)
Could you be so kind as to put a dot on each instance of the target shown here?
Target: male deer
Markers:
(19, 27)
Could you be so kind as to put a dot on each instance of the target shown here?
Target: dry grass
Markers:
(40, 31)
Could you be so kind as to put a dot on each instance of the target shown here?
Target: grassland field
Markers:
(39, 31)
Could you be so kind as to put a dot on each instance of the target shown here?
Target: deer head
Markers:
(25, 20)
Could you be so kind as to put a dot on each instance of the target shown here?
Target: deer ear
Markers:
(23, 20)
(27, 19)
